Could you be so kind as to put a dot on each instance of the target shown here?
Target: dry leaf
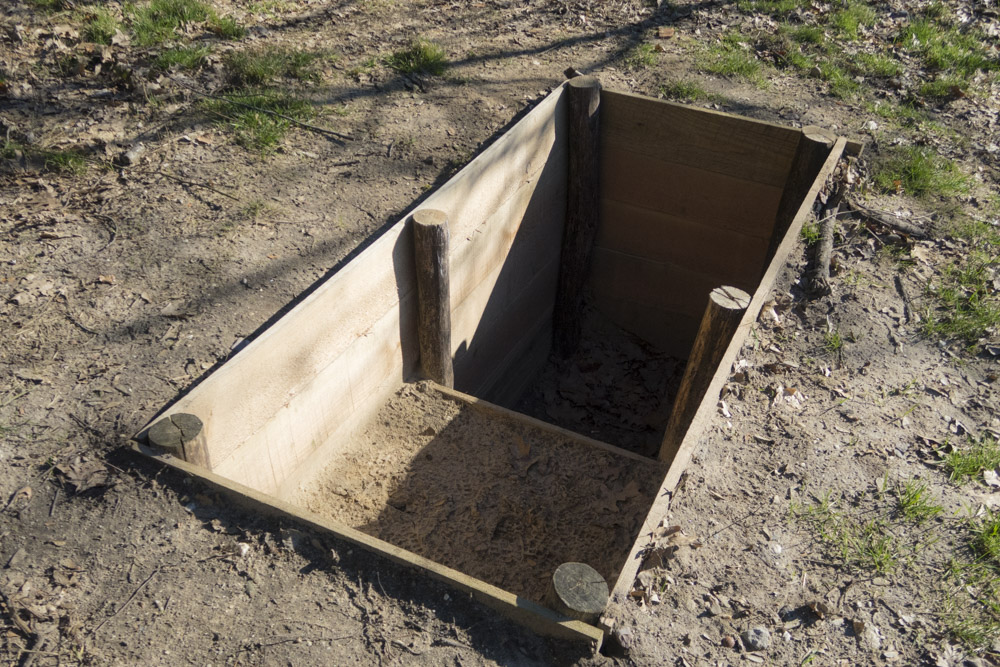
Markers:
(107, 280)
(85, 475)
(991, 477)
(523, 448)
(665, 33)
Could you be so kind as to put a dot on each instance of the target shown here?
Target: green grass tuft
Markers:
(684, 90)
(948, 49)
(850, 20)
(65, 162)
(100, 26)
(731, 58)
(963, 464)
(262, 66)
(186, 57)
(918, 171)
(159, 20)
(255, 129)
(641, 57)
(916, 502)
(421, 56)
(227, 28)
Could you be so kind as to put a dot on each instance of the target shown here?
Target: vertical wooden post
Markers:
(726, 306)
(430, 245)
(814, 147)
(182, 435)
(584, 97)
(578, 591)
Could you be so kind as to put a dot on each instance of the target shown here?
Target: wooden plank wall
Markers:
(302, 388)
(688, 202)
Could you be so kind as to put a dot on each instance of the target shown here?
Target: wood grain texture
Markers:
(535, 616)
(643, 232)
(431, 258)
(583, 96)
(308, 381)
(813, 147)
(708, 140)
(719, 201)
(723, 314)
(707, 409)
(578, 591)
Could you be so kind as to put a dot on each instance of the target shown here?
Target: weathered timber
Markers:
(578, 591)
(722, 315)
(582, 196)
(707, 410)
(814, 147)
(430, 245)
(182, 435)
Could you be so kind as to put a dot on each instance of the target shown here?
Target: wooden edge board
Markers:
(513, 415)
(533, 615)
(708, 405)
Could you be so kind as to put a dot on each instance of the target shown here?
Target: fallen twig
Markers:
(196, 184)
(339, 137)
(886, 220)
(130, 598)
(819, 281)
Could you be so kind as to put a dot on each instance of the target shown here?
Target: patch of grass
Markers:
(641, 57)
(100, 26)
(772, 7)
(159, 20)
(261, 66)
(808, 34)
(967, 305)
(421, 56)
(948, 49)
(982, 454)
(833, 342)
(944, 87)
(255, 129)
(855, 543)
(986, 538)
(918, 171)
(731, 58)
(842, 86)
(227, 28)
(186, 57)
(876, 65)
(684, 90)
(365, 66)
(850, 20)
(916, 502)
(810, 233)
(254, 209)
(890, 110)
(65, 162)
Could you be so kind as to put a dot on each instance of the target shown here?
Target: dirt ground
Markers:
(501, 500)
(125, 282)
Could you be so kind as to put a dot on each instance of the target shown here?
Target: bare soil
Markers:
(502, 500)
(124, 285)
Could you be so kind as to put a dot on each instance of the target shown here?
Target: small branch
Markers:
(819, 281)
(886, 220)
(183, 181)
(337, 136)
(125, 604)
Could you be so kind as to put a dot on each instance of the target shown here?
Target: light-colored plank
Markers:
(660, 285)
(522, 366)
(534, 616)
(246, 393)
(646, 233)
(720, 201)
(712, 141)
(250, 399)
(705, 413)
(499, 328)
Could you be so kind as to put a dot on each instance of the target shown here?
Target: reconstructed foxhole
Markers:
(319, 418)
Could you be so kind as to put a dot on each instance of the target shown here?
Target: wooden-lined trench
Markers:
(671, 221)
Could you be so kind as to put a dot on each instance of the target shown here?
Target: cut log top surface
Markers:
(730, 298)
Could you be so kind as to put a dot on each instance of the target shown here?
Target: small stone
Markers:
(714, 608)
(729, 641)
(756, 639)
